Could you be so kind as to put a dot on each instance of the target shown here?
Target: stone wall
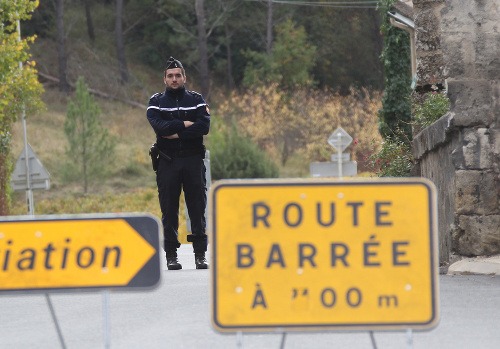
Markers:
(460, 153)
(430, 65)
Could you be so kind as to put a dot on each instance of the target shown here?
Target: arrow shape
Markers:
(73, 253)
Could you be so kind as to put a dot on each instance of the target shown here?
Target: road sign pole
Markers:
(409, 338)
(105, 319)
(29, 192)
(283, 340)
(372, 338)
(239, 339)
(56, 323)
(339, 151)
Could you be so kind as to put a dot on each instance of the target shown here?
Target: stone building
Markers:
(457, 46)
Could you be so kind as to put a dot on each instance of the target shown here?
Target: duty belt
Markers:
(182, 153)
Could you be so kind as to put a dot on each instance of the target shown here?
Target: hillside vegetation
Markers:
(131, 172)
(310, 114)
(267, 116)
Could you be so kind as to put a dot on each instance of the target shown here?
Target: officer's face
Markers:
(174, 78)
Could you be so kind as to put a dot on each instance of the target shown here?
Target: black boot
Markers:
(172, 262)
(200, 261)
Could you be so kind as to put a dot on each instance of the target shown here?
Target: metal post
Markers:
(409, 338)
(54, 318)
(372, 337)
(105, 319)
(29, 191)
(239, 339)
(339, 151)
(283, 340)
(208, 177)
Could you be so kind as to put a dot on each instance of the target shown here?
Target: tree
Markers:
(236, 156)
(202, 46)
(290, 62)
(269, 27)
(348, 46)
(19, 86)
(395, 114)
(229, 58)
(91, 148)
(61, 47)
(120, 46)
(87, 4)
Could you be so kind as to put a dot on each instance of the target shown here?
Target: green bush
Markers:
(235, 156)
(432, 108)
(394, 159)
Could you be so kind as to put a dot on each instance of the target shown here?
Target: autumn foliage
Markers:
(19, 87)
(285, 123)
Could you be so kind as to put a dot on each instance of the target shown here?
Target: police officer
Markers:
(180, 119)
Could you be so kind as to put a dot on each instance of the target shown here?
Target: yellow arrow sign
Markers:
(79, 252)
(318, 254)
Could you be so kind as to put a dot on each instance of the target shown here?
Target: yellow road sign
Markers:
(317, 254)
(81, 251)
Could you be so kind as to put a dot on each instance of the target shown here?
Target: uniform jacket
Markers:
(167, 112)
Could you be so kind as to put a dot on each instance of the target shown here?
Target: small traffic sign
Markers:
(39, 176)
(340, 139)
(317, 254)
(79, 251)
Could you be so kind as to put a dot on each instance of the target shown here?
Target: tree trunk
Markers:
(61, 47)
(202, 47)
(269, 36)
(378, 40)
(88, 15)
(229, 53)
(120, 47)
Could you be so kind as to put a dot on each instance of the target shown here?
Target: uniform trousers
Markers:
(186, 174)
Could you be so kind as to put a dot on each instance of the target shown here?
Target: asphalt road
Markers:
(177, 315)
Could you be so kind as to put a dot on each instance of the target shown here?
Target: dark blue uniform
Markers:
(185, 170)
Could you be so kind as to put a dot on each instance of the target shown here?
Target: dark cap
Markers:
(173, 63)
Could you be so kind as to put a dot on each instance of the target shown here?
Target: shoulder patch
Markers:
(155, 95)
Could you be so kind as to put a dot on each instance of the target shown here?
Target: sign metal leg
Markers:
(105, 319)
(283, 340)
(409, 338)
(372, 338)
(239, 339)
(54, 319)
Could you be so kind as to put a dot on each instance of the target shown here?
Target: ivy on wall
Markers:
(395, 114)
